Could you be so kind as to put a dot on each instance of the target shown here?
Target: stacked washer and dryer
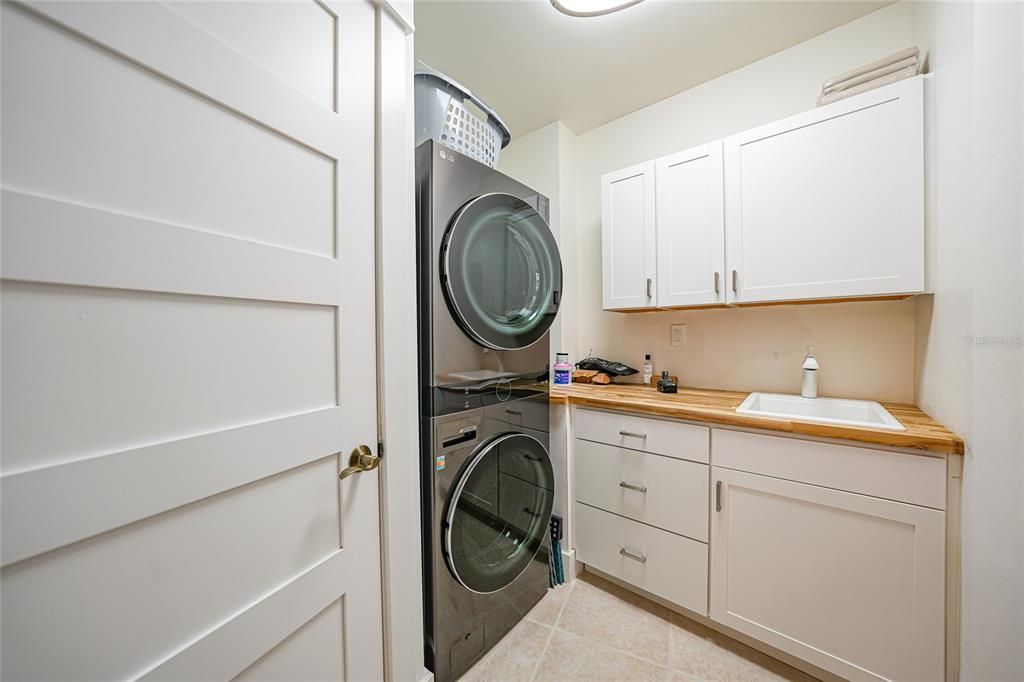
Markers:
(489, 286)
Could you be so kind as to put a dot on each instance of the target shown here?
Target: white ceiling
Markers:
(535, 65)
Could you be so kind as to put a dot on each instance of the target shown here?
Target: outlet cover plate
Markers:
(679, 335)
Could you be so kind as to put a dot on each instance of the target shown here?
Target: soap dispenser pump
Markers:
(809, 386)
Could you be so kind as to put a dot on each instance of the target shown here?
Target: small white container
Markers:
(648, 369)
(809, 385)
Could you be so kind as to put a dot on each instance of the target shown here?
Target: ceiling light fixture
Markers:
(591, 8)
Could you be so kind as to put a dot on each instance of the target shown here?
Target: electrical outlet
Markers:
(679, 335)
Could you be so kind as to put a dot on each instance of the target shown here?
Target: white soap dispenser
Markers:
(648, 369)
(809, 386)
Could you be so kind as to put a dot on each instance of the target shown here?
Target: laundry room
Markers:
(512, 340)
(756, 216)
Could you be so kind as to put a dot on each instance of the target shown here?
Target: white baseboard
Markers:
(570, 567)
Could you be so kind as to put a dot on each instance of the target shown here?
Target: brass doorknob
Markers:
(361, 459)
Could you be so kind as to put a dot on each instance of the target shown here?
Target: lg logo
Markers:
(450, 158)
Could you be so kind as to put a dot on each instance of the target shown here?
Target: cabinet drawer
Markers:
(915, 479)
(673, 439)
(668, 565)
(672, 495)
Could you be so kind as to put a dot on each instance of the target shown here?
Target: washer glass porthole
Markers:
(498, 513)
(502, 272)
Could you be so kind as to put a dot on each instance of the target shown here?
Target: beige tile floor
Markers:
(593, 630)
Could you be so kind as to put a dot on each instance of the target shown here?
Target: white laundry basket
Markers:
(442, 115)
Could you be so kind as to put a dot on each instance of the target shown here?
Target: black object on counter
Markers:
(615, 369)
(666, 385)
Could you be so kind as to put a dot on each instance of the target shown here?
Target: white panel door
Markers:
(829, 203)
(628, 239)
(188, 341)
(848, 582)
(691, 227)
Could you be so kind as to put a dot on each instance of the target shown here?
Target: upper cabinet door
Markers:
(627, 238)
(691, 227)
(829, 203)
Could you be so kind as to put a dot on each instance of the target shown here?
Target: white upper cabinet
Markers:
(690, 227)
(829, 203)
(627, 238)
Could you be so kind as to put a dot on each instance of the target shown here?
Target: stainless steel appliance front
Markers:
(490, 276)
(491, 488)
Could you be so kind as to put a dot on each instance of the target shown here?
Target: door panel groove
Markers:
(153, 38)
(240, 640)
(53, 241)
(142, 482)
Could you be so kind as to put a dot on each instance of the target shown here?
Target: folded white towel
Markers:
(870, 75)
(908, 72)
(877, 64)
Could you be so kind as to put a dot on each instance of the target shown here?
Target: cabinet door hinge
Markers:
(380, 449)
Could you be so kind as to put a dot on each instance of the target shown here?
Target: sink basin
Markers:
(864, 413)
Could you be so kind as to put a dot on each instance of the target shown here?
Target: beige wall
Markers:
(970, 335)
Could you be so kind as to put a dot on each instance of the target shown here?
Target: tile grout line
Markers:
(671, 638)
(540, 658)
(611, 646)
(547, 642)
(558, 618)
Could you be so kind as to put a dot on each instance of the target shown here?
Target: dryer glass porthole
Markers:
(502, 273)
(498, 512)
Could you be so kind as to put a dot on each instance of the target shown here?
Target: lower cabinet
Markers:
(848, 582)
(670, 566)
(833, 553)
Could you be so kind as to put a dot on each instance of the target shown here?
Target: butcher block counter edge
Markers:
(719, 407)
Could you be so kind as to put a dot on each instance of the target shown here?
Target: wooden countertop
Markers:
(719, 407)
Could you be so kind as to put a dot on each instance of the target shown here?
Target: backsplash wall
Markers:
(866, 350)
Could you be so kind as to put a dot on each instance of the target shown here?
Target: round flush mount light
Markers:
(591, 8)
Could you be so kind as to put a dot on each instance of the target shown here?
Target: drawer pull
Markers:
(635, 557)
(516, 413)
(632, 434)
(631, 486)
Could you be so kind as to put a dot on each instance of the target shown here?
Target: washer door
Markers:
(498, 512)
(501, 272)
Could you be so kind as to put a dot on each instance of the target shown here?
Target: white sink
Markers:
(866, 413)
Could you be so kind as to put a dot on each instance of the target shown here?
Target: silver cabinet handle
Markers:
(635, 557)
(649, 287)
(735, 287)
(632, 434)
(718, 496)
(716, 282)
(630, 486)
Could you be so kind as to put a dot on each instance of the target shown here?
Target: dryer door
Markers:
(501, 272)
(498, 512)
